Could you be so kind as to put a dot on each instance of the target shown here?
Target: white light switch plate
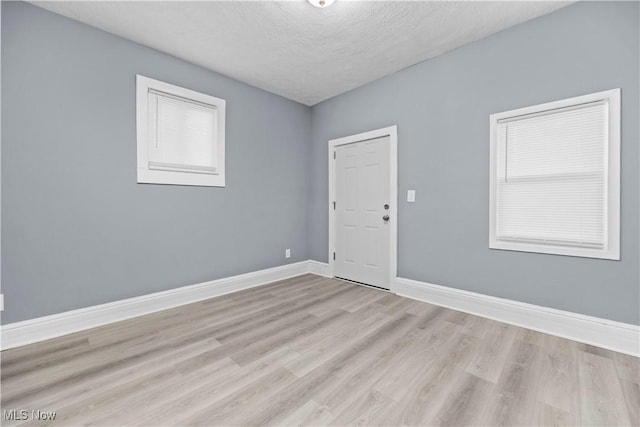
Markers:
(411, 195)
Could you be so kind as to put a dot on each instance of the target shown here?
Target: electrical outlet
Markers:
(411, 196)
(287, 253)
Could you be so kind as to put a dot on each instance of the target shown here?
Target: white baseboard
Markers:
(47, 327)
(609, 334)
(319, 268)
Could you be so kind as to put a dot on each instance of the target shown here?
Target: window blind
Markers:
(182, 135)
(552, 177)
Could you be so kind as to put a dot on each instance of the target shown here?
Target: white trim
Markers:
(319, 268)
(392, 133)
(173, 175)
(612, 249)
(616, 336)
(609, 334)
(47, 327)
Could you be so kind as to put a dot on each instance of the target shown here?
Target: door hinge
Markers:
(334, 155)
(334, 206)
(334, 256)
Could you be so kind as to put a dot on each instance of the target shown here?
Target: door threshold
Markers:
(379, 288)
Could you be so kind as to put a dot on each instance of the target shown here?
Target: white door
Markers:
(362, 212)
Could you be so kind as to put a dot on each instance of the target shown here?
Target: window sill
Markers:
(555, 250)
(146, 176)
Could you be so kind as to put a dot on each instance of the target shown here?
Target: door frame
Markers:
(392, 133)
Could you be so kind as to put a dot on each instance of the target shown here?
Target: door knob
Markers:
(385, 218)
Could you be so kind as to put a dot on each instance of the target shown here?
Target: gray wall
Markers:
(77, 229)
(442, 109)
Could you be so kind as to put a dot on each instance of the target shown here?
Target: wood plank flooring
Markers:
(316, 351)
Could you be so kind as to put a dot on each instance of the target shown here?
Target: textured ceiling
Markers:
(299, 51)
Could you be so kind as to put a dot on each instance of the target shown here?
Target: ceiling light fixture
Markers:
(321, 3)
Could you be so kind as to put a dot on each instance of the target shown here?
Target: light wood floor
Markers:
(315, 351)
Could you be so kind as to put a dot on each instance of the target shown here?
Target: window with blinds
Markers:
(180, 135)
(555, 177)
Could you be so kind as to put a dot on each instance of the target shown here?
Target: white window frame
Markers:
(612, 248)
(176, 174)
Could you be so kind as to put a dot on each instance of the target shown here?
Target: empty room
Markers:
(320, 213)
